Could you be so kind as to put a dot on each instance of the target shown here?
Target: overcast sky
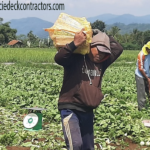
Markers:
(78, 8)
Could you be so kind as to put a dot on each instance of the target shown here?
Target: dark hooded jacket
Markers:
(81, 89)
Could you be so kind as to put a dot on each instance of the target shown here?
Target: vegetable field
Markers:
(35, 80)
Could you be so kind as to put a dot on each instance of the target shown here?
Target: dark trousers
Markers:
(78, 129)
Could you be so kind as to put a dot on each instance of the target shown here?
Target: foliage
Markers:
(6, 33)
(98, 25)
(36, 41)
(32, 38)
(1, 20)
(114, 31)
(27, 55)
(130, 46)
(134, 36)
(135, 39)
(128, 28)
(25, 85)
(7, 138)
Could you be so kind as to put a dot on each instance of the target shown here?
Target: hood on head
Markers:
(101, 39)
(144, 48)
(102, 43)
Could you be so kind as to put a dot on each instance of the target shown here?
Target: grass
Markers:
(128, 56)
(46, 55)
(23, 55)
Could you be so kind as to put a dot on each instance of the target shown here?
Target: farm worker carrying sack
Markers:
(81, 89)
(142, 76)
(64, 29)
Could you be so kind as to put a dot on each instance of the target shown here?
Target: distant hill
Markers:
(25, 25)
(129, 28)
(125, 22)
(103, 17)
(125, 18)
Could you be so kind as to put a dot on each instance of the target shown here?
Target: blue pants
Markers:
(78, 129)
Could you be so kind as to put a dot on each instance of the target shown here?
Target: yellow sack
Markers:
(64, 29)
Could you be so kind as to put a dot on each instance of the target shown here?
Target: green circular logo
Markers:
(30, 120)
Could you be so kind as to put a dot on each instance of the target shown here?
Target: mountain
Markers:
(25, 25)
(125, 19)
(103, 17)
(129, 28)
(125, 22)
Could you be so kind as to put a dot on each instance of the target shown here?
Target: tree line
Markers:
(130, 41)
(7, 34)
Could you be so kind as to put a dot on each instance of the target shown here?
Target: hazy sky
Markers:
(78, 8)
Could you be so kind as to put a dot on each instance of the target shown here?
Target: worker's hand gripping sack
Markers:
(64, 29)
